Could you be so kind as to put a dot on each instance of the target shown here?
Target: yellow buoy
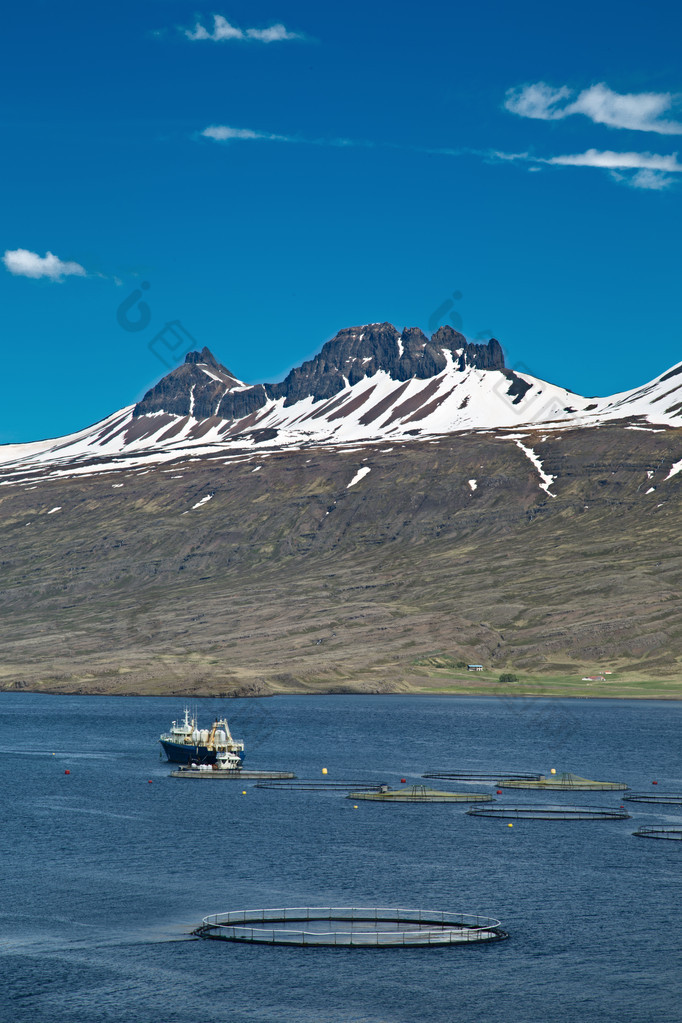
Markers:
(553, 771)
(324, 770)
(355, 807)
(510, 825)
(243, 792)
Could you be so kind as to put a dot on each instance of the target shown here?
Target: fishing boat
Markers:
(224, 762)
(186, 743)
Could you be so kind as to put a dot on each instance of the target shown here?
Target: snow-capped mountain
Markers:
(368, 384)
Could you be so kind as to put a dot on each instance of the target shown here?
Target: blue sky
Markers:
(277, 171)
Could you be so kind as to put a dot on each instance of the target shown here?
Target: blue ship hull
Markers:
(181, 754)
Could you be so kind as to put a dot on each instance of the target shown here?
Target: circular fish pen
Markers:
(565, 782)
(315, 785)
(481, 776)
(351, 927)
(550, 813)
(227, 774)
(420, 794)
(670, 798)
(671, 834)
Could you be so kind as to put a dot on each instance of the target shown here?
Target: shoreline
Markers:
(477, 693)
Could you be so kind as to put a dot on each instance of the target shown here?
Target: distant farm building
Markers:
(593, 678)
(474, 667)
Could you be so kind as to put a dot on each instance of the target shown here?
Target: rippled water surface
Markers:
(104, 875)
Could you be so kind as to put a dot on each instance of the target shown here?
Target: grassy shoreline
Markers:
(427, 682)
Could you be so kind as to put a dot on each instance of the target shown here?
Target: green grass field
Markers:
(617, 686)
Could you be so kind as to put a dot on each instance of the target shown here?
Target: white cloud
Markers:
(619, 161)
(636, 111)
(650, 171)
(222, 133)
(538, 101)
(650, 179)
(223, 30)
(274, 34)
(23, 263)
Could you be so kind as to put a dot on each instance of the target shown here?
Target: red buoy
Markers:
(654, 783)
(67, 772)
(499, 792)
(149, 782)
(403, 780)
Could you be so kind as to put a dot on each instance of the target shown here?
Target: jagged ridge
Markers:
(203, 388)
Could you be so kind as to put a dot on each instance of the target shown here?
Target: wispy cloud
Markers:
(651, 170)
(619, 161)
(222, 31)
(638, 111)
(649, 179)
(24, 263)
(222, 133)
(639, 170)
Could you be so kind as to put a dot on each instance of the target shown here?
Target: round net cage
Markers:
(322, 785)
(351, 927)
(539, 812)
(564, 782)
(671, 834)
(670, 798)
(481, 776)
(420, 794)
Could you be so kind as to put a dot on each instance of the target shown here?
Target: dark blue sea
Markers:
(104, 876)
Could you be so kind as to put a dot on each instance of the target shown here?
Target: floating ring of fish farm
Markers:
(564, 783)
(480, 776)
(314, 785)
(673, 798)
(420, 794)
(550, 813)
(351, 927)
(671, 834)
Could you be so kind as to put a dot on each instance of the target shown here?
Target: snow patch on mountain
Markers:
(547, 480)
(204, 500)
(360, 474)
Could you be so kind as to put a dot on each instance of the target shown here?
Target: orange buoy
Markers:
(499, 792)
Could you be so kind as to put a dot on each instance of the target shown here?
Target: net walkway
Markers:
(670, 798)
(565, 782)
(317, 785)
(351, 927)
(671, 834)
(550, 813)
(420, 794)
(481, 776)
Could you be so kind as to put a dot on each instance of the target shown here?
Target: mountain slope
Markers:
(327, 567)
(350, 527)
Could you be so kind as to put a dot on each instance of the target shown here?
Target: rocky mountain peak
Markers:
(358, 352)
(195, 388)
(202, 387)
(206, 358)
